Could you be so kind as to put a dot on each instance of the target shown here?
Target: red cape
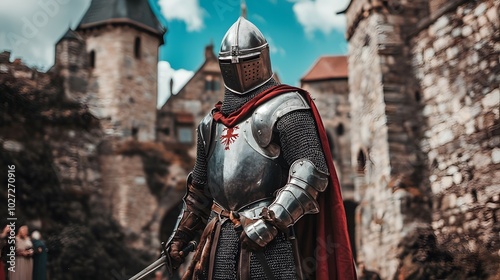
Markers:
(331, 250)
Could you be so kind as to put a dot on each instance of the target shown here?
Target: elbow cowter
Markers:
(298, 197)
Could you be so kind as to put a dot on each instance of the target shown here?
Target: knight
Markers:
(263, 196)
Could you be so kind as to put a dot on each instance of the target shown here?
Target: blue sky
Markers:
(298, 32)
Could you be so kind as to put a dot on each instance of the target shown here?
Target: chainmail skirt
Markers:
(278, 254)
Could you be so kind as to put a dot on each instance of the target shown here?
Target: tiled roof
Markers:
(137, 11)
(327, 67)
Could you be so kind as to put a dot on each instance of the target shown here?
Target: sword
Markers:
(163, 260)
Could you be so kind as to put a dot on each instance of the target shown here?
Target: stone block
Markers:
(13, 146)
(441, 23)
(481, 9)
(446, 182)
(480, 160)
(492, 15)
(466, 31)
(457, 178)
(445, 136)
(495, 156)
(492, 99)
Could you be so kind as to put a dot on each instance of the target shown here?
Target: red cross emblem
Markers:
(229, 137)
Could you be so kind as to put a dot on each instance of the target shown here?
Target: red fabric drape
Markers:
(322, 237)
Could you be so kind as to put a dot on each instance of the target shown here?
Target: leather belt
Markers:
(220, 211)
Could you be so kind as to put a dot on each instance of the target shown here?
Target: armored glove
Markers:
(296, 199)
(256, 234)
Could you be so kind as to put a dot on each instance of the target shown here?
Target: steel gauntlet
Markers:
(298, 197)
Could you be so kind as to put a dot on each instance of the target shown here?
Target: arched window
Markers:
(361, 162)
(340, 129)
(137, 48)
(92, 59)
(418, 97)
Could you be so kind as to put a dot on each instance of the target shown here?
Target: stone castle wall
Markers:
(72, 65)
(424, 110)
(379, 219)
(123, 86)
(456, 62)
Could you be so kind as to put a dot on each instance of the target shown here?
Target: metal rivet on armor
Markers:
(259, 132)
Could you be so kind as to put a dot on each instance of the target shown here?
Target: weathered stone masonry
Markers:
(456, 62)
(425, 134)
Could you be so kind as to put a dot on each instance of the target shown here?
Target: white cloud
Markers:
(188, 11)
(320, 15)
(259, 18)
(165, 73)
(273, 47)
(30, 28)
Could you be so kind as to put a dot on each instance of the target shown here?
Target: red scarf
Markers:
(329, 227)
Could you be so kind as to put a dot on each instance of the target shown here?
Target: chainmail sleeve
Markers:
(200, 166)
(299, 139)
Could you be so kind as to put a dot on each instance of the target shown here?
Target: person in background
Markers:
(39, 257)
(24, 253)
(3, 243)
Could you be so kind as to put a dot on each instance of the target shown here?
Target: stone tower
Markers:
(425, 136)
(72, 65)
(122, 39)
(384, 129)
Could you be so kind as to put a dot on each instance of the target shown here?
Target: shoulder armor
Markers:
(205, 129)
(265, 117)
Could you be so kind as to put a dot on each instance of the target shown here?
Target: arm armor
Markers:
(194, 214)
(296, 199)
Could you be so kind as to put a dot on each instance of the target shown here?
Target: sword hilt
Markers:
(164, 260)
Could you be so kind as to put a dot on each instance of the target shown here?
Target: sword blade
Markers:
(152, 267)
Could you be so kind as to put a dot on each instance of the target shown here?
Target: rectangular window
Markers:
(185, 135)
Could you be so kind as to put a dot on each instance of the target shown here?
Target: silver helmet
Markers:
(244, 57)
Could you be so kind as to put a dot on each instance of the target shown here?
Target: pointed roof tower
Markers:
(131, 12)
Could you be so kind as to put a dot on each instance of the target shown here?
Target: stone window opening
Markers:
(474, 195)
(418, 96)
(361, 162)
(331, 142)
(366, 41)
(185, 134)
(92, 59)
(137, 48)
(135, 132)
(340, 129)
(211, 84)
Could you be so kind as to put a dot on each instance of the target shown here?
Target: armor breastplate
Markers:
(244, 165)
(239, 171)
